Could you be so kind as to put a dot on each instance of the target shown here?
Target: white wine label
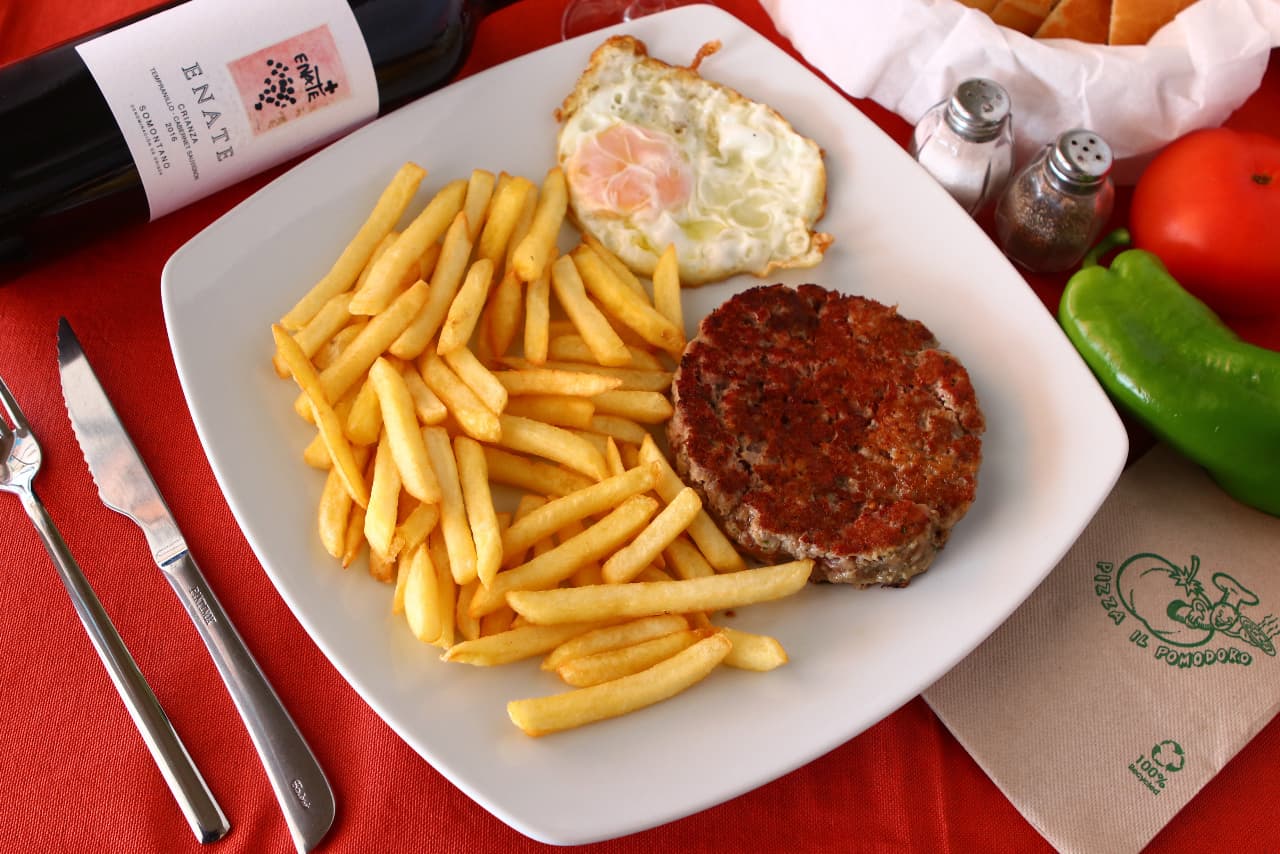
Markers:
(211, 92)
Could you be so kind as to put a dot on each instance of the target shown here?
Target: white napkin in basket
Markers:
(909, 54)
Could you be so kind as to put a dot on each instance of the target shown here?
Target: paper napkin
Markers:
(1144, 662)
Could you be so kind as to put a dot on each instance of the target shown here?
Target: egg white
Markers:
(758, 187)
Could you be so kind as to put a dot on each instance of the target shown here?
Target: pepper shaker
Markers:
(1055, 207)
(966, 142)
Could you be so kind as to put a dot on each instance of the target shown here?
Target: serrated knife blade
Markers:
(125, 485)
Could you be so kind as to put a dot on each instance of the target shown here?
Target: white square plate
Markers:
(1053, 449)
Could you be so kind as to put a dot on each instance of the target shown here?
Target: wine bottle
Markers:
(146, 115)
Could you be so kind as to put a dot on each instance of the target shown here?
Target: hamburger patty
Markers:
(819, 425)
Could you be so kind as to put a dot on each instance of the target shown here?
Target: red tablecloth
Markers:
(74, 775)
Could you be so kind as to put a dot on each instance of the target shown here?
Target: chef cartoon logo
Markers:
(290, 79)
(1190, 622)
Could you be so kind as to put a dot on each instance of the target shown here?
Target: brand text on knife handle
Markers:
(202, 607)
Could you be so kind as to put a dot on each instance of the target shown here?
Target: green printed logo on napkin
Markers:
(1190, 628)
(1149, 653)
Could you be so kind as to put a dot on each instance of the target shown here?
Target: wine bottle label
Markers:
(212, 91)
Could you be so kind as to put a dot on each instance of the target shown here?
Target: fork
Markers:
(20, 459)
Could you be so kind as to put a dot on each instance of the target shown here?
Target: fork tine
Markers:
(11, 407)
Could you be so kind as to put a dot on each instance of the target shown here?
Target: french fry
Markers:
(354, 361)
(683, 556)
(647, 407)
(523, 223)
(606, 346)
(400, 424)
(504, 211)
(342, 275)
(402, 576)
(327, 421)
(477, 420)
(447, 589)
(589, 572)
(642, 599)
(476, 203)
(465, 310)
(573, 348)
(549, 569)
(331, 318)
(513, 644)
(576, 506)
(414, 528)
(613, 637)
(316, 454)
(474, 476)
(626, 305)
(619, 428)
(537, 246)
(383, 245)
(616, 663)
(422, 596)
(557, 409)
(355, 536)
(390, 270)
(478, 378)
(620, 269)
(666, 287)
(554, 443)
(543, 381)
(450, 269)
(453, 514)
(363, 424)
(384, 499)
(334, 346)
(504, 312)
(537, 318)
(335, 509)
(382, 567)
(499, 621)
(427, 263)
(630, 453)
(629, 379)
(467, 626)
(613, 458)
(715, 546)
(754, 652)
(627, 562)
(429, 408)
(544, 715)
(532, 475)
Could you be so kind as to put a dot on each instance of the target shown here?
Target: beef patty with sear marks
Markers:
(825, 426)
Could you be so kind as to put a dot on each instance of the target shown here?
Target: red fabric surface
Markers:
(74, 775)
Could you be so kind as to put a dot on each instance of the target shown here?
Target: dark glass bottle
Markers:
(66, 172)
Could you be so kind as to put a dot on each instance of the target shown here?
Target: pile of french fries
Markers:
(608, 565)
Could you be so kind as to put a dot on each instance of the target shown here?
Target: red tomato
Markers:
(1209, 206)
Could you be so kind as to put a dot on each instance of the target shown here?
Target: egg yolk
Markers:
(629, 170)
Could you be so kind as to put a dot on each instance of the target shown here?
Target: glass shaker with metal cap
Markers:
(1055, 208)
(966, 142)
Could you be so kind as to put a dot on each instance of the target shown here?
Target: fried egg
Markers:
(655, 155)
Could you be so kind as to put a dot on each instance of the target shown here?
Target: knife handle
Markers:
(296, 777)
(189, 788)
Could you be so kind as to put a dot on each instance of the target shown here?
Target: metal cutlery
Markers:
(125, 485)
(20, 459)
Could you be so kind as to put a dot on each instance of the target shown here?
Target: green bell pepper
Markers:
(1164, 356)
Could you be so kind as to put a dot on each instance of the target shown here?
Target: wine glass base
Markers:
(585, 16)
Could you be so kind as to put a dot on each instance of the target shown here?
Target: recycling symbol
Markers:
(1168, 754)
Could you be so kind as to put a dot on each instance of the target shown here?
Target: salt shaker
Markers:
(966, 142)
(1055, 207)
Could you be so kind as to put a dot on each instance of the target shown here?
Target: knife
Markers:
(125, 485)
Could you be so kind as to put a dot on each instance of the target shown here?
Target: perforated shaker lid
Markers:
(978, 108)
(1080, 157)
